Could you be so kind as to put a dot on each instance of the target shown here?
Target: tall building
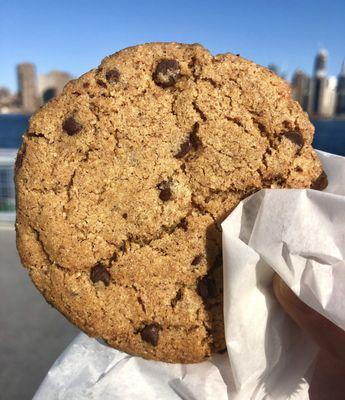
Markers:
(329, 97)
(323, 96)
(341, 91)
(320, 64)
(27, 87)
(317, 89)
(322, 88)
(300, 88)
(51, 84)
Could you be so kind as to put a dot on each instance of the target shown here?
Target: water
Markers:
(329, 134)
(12, 128)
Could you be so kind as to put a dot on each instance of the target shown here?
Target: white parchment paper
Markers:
(300, 234)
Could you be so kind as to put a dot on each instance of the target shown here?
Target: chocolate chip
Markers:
(125, 215)
(113, 75)
(321, 182)
(100, 273)
(86, 85)
(183, 224)
(167, 73)
(150, 334)
(185, 148)
(298, 169)
(193, 142)
(295, 137)
(165, 191)
(101, 83)
(207, 288)
(71, 126)
(197, 260)
(165, 194)
(177, 298)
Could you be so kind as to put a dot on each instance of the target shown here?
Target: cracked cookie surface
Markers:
(123, 180)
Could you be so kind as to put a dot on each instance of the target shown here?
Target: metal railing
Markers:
(7, 191)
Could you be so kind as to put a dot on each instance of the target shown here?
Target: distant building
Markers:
(8, 101)
(4, 93)
(317, 89)
(320, 64)
(341, 91)
(329, 97)
(323, 96)
(27, 87)
(300, 88)
(322, 88)
(51, 84)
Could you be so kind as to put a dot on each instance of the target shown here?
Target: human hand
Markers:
(326, 334)
(329, 377)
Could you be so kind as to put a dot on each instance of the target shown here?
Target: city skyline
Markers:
(33, 89)
(72, 36)
(319, 94)
(288, 74)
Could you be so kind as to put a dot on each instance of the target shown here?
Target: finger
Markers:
(326, 334)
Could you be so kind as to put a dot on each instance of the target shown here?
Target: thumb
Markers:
(326, 334)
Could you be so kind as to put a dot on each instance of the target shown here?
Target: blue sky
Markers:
(75, 35)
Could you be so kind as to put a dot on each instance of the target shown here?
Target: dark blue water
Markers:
(329, 134)
(12, 128)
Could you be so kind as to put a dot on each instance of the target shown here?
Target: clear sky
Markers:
(74, 35)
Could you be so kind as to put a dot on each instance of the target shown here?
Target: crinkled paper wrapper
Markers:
(300, 234)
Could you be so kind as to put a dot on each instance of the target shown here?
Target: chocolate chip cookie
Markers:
(123, 181)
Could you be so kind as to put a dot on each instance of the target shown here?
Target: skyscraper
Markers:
(321, 89)
(27, 87)
(341, 91)
(300, 88)
(320, 64)
(329, 97)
